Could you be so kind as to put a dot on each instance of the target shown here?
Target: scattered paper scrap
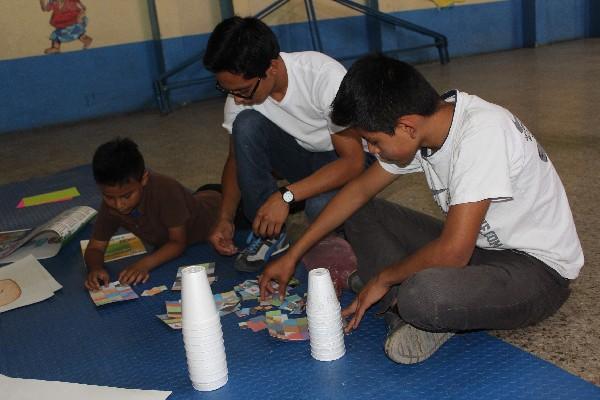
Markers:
(51, 197)
(154, 290)
(173, 308)
(257, 323)
(111, 293)
(244, 312)
(174, 323)
(227, 302)
(281, 327)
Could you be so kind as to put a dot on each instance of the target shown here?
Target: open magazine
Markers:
(46, 240)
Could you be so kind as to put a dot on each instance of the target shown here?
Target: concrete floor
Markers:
(552, 89)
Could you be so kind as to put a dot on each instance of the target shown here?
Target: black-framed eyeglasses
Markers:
(237, 93)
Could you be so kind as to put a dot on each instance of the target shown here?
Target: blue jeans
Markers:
(263, 149)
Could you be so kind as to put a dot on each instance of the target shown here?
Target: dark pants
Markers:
(498, 289)
(263, 149)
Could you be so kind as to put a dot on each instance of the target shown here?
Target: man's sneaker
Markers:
(259, 251)
(406, 344)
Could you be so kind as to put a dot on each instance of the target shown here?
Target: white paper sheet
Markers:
(33, 389)
(29, 279)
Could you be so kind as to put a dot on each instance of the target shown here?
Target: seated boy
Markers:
(156, 208)
(507, 249)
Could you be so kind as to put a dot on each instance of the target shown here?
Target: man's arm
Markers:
(352, 196)
(139, 271)
(452, 249)
(272, 214)
(348, 146)
(221, 237)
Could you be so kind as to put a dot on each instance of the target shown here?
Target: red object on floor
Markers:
(335, 254)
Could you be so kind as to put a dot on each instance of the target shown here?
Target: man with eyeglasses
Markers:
(277, 112)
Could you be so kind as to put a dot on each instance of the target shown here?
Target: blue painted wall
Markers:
(558, 20)
(45, 90)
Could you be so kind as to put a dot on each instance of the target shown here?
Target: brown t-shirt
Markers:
(165, 204)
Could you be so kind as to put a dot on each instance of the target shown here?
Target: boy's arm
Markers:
(44, 5)
(94, 260)
(452, 249)
(347, 144)
(221, 237)
(352, 196)
(139, 271)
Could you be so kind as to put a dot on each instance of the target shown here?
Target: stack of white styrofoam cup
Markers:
(202, 333)
(324, 317)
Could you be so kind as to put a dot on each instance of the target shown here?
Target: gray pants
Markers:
(498, 289)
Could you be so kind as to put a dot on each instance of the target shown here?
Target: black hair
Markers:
(117, 162)
(377, 90)
(241, 46)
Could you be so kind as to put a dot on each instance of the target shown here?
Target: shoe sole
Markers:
(355, 283)
(255, 266)
(409, 345)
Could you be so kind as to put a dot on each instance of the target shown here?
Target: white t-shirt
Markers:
(313, 81)
(490, 154)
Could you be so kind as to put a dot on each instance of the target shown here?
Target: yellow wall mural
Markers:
(109, 22)
(26, 25)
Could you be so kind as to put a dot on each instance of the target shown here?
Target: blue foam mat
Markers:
(12, 218)
(67, 338)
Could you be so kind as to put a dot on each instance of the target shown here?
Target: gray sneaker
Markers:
(406, 344)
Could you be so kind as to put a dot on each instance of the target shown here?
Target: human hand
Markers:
(281, 271)
(271, 216)
(135, 273)
(221, 238)
(97, 277)
(373, 291)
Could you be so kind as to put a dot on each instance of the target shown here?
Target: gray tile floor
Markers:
(553, 89)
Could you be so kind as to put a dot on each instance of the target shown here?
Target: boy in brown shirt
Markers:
(156, 208)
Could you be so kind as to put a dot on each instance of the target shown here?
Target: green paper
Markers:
(59, 195)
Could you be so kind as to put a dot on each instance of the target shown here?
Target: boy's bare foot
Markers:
(86, 40)
(52, 50)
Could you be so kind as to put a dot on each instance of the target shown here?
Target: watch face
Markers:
(288, 196)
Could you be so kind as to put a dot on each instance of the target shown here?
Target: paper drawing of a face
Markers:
(9, 291)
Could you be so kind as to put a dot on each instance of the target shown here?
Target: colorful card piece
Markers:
(227, 302)
(293, 282)
(111, 293)
(210, 273)
(51, 197)
(244, 312)
(243, 325)
(155, 290)
(284, 328)
(173, 308)
(257, 324)
(173, 323)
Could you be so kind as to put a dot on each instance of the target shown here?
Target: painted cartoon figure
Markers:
(70, 22)
(9, 291)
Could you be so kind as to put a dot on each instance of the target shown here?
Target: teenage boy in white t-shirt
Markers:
(277, 112)
(504, 255)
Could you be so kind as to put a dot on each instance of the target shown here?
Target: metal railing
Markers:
(162, 87)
